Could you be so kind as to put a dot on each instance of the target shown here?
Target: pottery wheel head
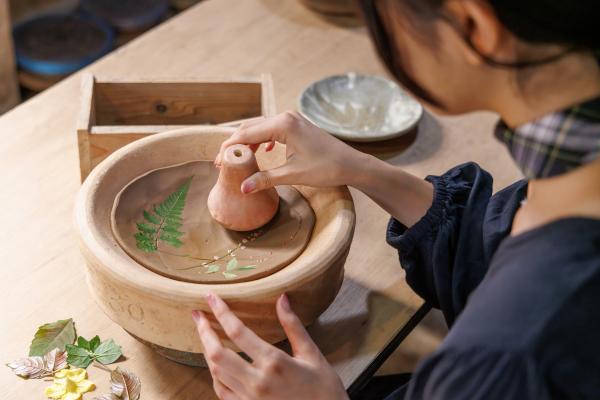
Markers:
(161, 220)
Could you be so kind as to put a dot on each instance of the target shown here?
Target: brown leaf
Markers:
(39, 367)
(125, 385)
(56, 360)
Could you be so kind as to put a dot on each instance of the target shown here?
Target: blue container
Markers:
(60, 44)
(127, 15)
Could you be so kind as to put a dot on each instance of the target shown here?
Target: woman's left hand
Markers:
(272, 374)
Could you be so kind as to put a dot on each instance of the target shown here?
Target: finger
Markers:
(235, 329)
(301, 342)
(269, 129)
(252, 121)
(223, 361)
(223, 392)
(267, 179)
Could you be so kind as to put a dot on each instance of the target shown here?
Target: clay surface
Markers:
(226, 202)
(210, 253)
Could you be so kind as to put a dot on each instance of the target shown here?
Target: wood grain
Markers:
(117, 111)
(42, 275)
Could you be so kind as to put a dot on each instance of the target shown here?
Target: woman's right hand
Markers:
(314, 157)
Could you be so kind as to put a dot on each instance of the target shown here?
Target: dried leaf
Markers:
(212, 269)
(39, 367)
(53, 335)
(125, 385)
(229, 275)
(232, 265)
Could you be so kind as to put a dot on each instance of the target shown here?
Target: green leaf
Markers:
(151, 218)
(52, 335)
(94, 343)
(229, 275)
(108, 352)
(212, 269)
(144, 227)
(246, 267)
(164, 224)
(91, 345)
(232, 265)
(82, 354)
(78, 356)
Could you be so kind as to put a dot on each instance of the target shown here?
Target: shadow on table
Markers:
(281, 9)
(417, 145)
(344, 328)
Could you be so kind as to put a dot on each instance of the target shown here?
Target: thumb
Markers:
(301, 342)
(266, 179)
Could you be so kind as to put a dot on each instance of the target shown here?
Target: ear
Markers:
(477, 22)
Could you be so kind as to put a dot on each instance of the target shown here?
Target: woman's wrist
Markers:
(362, 171)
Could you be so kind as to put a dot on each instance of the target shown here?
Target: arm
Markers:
(444, 227)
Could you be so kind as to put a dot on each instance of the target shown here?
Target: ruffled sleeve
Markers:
(447, 252)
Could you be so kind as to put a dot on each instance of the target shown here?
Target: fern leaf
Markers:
(151, 218)
(164, 223)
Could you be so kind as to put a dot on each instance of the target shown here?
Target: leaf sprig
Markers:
(233, 265)
(84, 352)
(163, 224)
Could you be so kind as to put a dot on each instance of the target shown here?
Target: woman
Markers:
(516, 274)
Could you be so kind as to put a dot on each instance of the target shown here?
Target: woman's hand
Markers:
(272, 374)
(314, 157)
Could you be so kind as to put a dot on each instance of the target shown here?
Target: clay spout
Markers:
(226, 202)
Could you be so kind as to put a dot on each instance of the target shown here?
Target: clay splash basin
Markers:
(156, 307)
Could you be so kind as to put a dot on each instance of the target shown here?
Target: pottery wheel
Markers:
(190, 245)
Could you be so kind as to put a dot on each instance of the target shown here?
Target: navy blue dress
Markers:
(524, 311)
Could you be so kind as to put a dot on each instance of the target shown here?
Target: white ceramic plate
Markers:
(360, 108)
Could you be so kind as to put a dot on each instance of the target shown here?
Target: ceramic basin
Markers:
(157, 309)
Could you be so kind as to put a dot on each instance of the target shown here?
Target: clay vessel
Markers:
(156, 308)
(226, 202)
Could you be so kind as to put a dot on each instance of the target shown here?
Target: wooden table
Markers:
(42, 278)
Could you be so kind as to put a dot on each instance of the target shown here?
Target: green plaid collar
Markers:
(555, 143)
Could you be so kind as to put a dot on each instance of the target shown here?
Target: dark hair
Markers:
(573, 23)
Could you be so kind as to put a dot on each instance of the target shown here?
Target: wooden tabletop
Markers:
(42, 275)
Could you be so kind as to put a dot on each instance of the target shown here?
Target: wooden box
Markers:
(115, 113)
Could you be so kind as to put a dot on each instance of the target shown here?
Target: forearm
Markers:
(406, 197)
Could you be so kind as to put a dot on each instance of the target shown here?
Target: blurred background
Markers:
(44, 41)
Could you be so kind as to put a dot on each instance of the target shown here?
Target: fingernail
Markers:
(248, 186)
(285, 302)
(197, 316)
(210, 298)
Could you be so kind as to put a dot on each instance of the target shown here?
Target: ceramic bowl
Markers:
(157, 309)
(360, 108)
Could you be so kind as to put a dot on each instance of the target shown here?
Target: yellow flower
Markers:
(69, 384)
